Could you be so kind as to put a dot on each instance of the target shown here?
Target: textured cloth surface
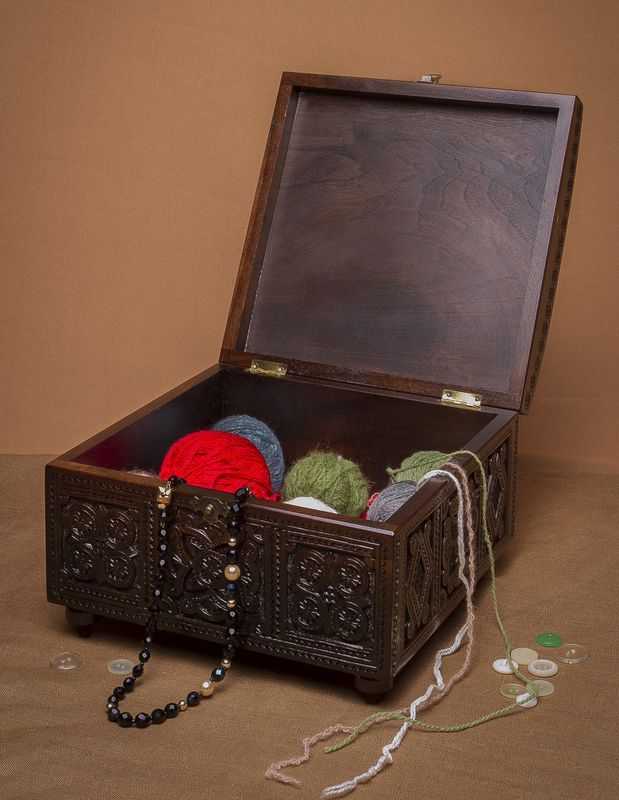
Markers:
(557, 574)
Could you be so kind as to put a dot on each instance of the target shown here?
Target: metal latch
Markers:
(453, 398)
(429, 79)
(271, 368)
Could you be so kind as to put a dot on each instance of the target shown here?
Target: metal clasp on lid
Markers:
(429, 79)
(451, 397)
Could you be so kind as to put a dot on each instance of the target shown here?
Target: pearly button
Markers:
(523, 655)
(120, 666)
(544, 688)
(543, 668)
(503, 666)
(511, 690)
(526, 700)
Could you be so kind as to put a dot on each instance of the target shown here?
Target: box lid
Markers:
(407, 236)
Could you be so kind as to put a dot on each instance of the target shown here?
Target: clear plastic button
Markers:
(544, 688)
(511, 690)
(572, 654)
(66, 661)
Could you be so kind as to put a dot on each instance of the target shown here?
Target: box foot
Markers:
(373, 690)
(82, 621)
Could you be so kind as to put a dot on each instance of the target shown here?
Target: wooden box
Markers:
(404, 246)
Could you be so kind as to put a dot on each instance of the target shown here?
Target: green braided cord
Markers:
(464, 726)
(532, 690)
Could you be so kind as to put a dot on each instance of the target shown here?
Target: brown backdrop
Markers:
(133, 132)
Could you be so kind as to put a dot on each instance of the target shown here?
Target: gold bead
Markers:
(232, 572)
(207, 689)
(231, 603)
(182, 704)
(226, 663)
(232, 542)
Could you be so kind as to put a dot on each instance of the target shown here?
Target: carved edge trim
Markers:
(548, 295)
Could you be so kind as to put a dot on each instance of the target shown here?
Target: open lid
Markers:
(407, 236)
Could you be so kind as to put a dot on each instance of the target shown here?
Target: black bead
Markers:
(153, 608)
(151, 626)
(157, 593)
(163, 533)
(137, 670)
(142, 720)
(162, 562)
(231, 631)
(236, 507)
(119, 691)
(171, 710)
(229, 651)
(125, 720)
(218, 674)
(115, 698)
(164, 514)
(233, 524)
(242, 494)
(162, 547)
(148, 639)
(144, 655)
(233, 615)
(128, 683)
(193, 699)
(233, 554)
(113, 714)
(158, 716)
(231, 589)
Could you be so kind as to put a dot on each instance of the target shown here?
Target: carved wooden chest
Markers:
(402, 253)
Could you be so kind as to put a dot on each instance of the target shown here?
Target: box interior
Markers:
(376, 429)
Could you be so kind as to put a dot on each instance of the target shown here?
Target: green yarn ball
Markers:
(331, 478)
(415, 467)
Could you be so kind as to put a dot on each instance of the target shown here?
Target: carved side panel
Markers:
(99, 548)
(430, 587)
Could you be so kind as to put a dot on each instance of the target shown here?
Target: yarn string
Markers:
(439, 685)
(274, 772)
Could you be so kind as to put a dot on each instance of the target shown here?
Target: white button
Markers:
(503, 666)
(543, 668)
(523, 655)
(526, 700)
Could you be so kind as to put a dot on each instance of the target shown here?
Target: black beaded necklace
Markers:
(232, 573)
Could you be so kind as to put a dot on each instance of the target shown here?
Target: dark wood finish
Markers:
(368, 348)
(400, 235)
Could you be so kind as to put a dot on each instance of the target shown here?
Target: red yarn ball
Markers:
(219, 460)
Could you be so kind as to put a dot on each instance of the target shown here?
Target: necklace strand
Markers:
(231, 572)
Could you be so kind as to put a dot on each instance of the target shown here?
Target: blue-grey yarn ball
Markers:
(391, 499)
(260, 435)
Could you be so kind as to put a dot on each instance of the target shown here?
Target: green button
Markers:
(549, 639)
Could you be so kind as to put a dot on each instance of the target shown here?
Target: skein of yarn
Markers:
(260, 435)
(391, 499)
(414, 467)
(310, 502)
(219, 460)
(331, 478)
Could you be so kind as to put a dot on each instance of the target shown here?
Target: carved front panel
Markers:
(331, 595)
(100, 549)
(195, 586)
(419, 578)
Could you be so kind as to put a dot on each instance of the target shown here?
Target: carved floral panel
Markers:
(330, 595)
(100, 544)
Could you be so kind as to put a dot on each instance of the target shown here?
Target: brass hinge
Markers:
(453, 398)
(430, 78)
(271, 368)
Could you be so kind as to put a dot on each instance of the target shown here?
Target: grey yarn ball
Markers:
(260, 435)
(391, 499)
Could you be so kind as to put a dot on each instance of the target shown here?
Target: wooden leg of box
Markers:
(82, 621)
(373, 690)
